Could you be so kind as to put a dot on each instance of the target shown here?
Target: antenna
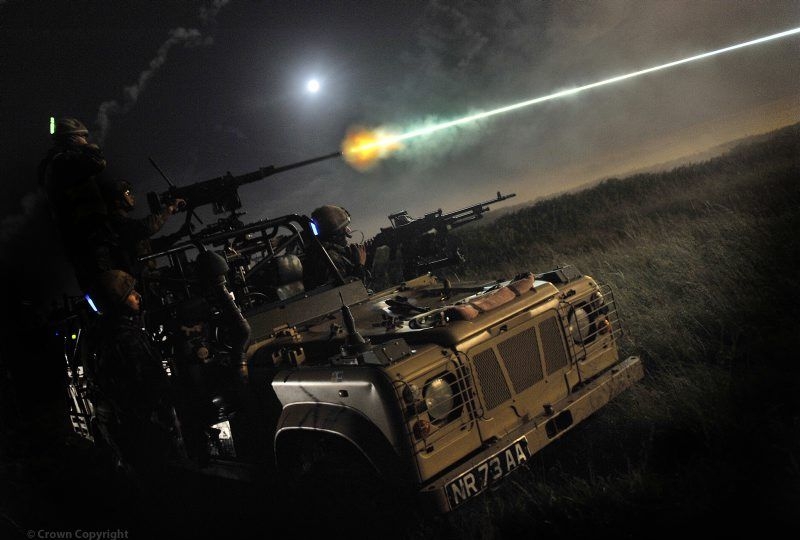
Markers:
(355, 342)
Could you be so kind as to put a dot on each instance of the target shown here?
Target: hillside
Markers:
(689, 160)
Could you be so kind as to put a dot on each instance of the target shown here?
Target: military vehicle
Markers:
(439, 387)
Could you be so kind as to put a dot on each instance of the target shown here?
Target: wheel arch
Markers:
(301, 423)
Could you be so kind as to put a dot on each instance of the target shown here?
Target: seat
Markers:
(288, 272)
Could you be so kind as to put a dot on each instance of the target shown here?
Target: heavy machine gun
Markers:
(221, 193)
(424, 243)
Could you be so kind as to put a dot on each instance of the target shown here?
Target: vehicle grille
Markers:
(555, 357)
(521, 356)
(522, 359)
(493, 384)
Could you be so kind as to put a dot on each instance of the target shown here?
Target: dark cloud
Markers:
(190, 37)
(33, 263)
(186, 37)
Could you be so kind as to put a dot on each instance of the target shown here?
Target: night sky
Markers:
(215, 86)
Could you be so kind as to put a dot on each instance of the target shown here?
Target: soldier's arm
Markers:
(164, 242)
(155, 222)
(130, 229)
(135, 230)
(358, 256)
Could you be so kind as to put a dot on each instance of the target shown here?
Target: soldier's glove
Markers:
(359, 254)
(176, 206)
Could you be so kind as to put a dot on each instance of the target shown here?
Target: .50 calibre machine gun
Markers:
(424, 243)
(246, 248)
(221, 193)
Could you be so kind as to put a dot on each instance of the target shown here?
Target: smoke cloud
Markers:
(208, 14)
(472, 55)
(186, 37)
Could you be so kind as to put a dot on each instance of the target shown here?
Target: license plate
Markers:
(487, 472)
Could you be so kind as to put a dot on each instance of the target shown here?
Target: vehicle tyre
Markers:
(331, 475)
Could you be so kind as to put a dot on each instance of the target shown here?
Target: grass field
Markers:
(703, 263)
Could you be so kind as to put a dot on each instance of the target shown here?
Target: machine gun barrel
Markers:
(424, 242)
(269, 171)
(403, 224)
(469, 213)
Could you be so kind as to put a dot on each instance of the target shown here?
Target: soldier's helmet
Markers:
(69, 126)
(112, 289)
(113, 192)
(331, 220)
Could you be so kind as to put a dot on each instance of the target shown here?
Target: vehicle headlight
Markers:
(596, 300)
(439, 398)
(598, 304)
(579, 325)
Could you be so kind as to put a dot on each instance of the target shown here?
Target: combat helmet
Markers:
(113, 192)
(331, 220)
(69, 126)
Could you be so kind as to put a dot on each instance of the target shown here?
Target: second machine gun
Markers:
(424, 243)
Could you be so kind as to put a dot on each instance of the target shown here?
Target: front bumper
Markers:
(545, 428)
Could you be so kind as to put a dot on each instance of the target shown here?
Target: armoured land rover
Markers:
(439, 387)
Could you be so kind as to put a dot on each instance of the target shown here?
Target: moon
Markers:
(312, 86)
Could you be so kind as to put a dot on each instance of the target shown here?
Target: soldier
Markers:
(130, 388)
(333, 225)
(68, 176)
(134, 235)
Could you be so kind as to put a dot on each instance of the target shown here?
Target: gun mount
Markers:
(424, 243)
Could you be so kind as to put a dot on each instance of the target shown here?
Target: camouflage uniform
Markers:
(333, 223)
(68, 176)
(317, 271)
(130, 389)
(133, 234)
(134, 238)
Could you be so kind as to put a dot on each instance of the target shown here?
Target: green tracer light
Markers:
(365, 147)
